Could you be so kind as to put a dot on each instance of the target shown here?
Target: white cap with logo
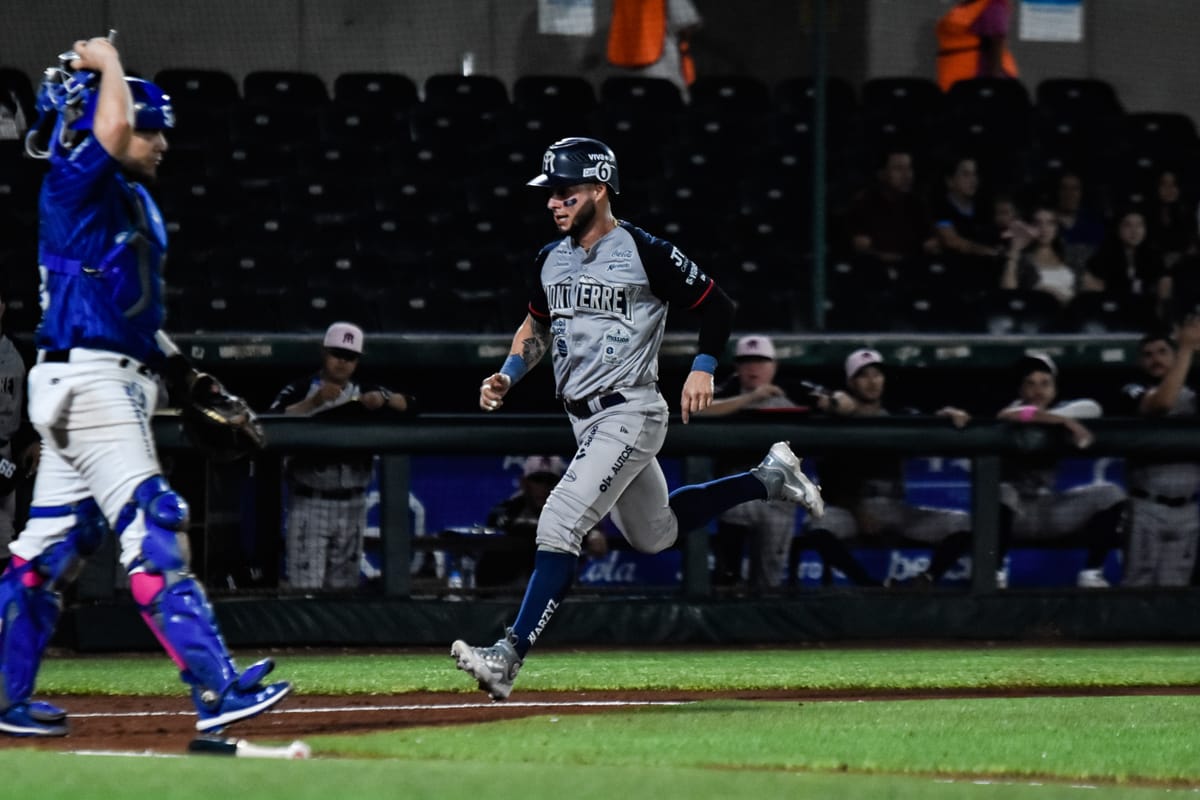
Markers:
(860, 359)
(344, 336)
(553, 466)
(754, 347)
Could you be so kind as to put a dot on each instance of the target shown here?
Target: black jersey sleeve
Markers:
(673, 276)
(539, 306)
(293, 393)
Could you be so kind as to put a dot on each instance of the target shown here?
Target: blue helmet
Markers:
(66, 101)
(578, 160)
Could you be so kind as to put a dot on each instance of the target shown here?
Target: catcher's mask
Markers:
(66, 104)
(578, 160)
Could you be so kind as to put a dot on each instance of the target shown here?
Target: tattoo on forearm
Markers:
(534, 347)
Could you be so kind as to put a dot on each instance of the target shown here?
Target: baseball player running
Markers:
(91, 394)
(599, 306)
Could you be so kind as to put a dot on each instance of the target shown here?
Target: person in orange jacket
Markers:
(653, 38)
(973, 42)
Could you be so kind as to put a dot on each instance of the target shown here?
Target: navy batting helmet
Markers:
(578, 160)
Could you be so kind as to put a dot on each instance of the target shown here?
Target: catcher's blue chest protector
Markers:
(101, 247)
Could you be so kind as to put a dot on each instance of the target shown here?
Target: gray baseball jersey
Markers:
(606, 309)
(1164, 526)
(12, 400)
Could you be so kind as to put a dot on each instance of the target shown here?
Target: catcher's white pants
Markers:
(93, 414)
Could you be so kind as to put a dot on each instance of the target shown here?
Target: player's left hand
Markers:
(697, 393)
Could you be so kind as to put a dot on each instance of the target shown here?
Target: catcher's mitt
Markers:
(219, 423)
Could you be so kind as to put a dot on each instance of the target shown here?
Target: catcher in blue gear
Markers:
(91, 394)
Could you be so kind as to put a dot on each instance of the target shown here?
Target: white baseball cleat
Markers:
(780, 473)
(495, 668)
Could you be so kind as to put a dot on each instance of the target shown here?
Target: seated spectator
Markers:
(517, 516)
(762, 528)
(1032, 508)
(1035, 259)
(964, 230)
(888, 221)
(864, 494)
(1170, 219)
(1127, 267)
(1005, 212)
(1082, 230)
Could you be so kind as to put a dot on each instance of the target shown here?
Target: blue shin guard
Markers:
(176, 608)
(29, 600)
(28, 615)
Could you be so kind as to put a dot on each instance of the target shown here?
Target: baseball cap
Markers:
(859, 359)
(552, 466)
(1037, 362)
(344, 336)
(754, 347)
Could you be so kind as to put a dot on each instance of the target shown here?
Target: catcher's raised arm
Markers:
(215, 420)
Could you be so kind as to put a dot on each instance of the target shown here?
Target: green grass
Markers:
(887, 669)
(1123, 746)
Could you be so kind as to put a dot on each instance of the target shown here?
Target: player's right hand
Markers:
(94, 54)
(492, 391)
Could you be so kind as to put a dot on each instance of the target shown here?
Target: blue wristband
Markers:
(704, 363)
(515, 368)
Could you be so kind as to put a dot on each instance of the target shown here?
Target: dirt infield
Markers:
(166, 724)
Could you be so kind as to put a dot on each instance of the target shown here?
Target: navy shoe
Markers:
(217, 710)
(17, 720)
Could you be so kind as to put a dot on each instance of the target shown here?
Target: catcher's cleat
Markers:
(16, 720)
(217, 710)
(495, 667)
(46, 712)
(780, 473)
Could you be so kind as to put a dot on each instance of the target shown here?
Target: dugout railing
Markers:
(693, 613)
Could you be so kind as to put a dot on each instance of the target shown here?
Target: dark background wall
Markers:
(1142, 47)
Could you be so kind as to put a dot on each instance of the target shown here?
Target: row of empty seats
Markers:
(411, 198)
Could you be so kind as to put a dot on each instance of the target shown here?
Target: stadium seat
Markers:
(905, 99)
(257, 161)
(381, 91)
(393, 235)
(655, 95)
(729, 95)
(994, 99)
(1169, 135)
(234, 267)
(198, 90)
(339, 160)
(476, 93)
(554, 95)
(276, 126)
(326, 198)
(461, 128)
(1080, 99)
(797, 95)
(228, 309)
(1018, 311)
(338, 266)
(285, 89)
(315, 308)
(1100, 313)
(363, 126)
(16, 94)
